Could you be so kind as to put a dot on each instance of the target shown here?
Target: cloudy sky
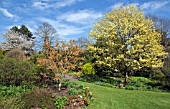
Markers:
(71, 18)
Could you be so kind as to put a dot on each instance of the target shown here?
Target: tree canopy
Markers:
(23, 30)
(126, 40)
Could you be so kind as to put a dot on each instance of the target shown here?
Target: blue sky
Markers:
(71, 18)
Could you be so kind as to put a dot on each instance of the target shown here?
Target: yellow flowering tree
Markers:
(126, 40)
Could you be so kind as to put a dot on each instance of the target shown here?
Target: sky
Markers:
(71, 18)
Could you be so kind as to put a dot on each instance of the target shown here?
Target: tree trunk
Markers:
(59, 86)
(126, 78)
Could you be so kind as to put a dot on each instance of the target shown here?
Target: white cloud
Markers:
(116, 5)
(63, 29)
(6, 13)
(81, 17)
(153, 5)
(135, 4)
(64, 3)
(48, 4)
(41, 5)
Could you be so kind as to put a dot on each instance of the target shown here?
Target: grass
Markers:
(110, 98)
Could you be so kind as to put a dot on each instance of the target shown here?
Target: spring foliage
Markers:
(61, 59)
(125, 41)
(88, 69)
(16, 40)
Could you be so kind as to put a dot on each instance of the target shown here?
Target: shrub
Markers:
(17, 72)
(15, 53)
(12, 91)
(34, 57)
(60, 102)
(158, 75)
(72, 92)
(36, 99)
(1, 54)
(129, 87)
(82, 79)
(88, 69)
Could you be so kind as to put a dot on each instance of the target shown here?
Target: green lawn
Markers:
(110, 98)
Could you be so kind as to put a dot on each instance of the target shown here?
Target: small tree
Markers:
(62, 59)
(126, 41)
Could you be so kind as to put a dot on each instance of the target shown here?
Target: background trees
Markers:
(46, 32)
(20, 38)
(126, 41)
(23, 30)
(163, 25)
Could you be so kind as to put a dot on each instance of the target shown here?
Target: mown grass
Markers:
(110, 98)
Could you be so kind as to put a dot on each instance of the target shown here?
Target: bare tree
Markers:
(163, 25)
(83, 42)
(46, 31)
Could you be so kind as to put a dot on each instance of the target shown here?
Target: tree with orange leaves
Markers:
(61, 59)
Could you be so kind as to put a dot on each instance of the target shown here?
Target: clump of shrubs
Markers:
(17, 72)
(15, 53)
(142, 83)
(13, 91)
(36, 99)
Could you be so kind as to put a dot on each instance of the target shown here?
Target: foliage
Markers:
(142, 83)
(16, 40)
(126, 41)
(17, 72)
(143, 72)
(60, 102)
(40, 98)
(158, 74)
(88, 69)
(166, 71)
(1, 54)
(62, 59)
(140, 79)
(15, 53)
(72, 92)
(82, 79)
(34, 58)
(13, 91)
(105, 81)
(23, 30)
(106, 71)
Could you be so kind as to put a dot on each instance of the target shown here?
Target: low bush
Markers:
(60, 102)
(82, 79)
(15, 53)
(158, 75)
(72, 92)
(40, 98)
(96, 78)
(129, 87)
(17, 72)
(13, 91)
(88, 69)
(1, 54)
(142, 83)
